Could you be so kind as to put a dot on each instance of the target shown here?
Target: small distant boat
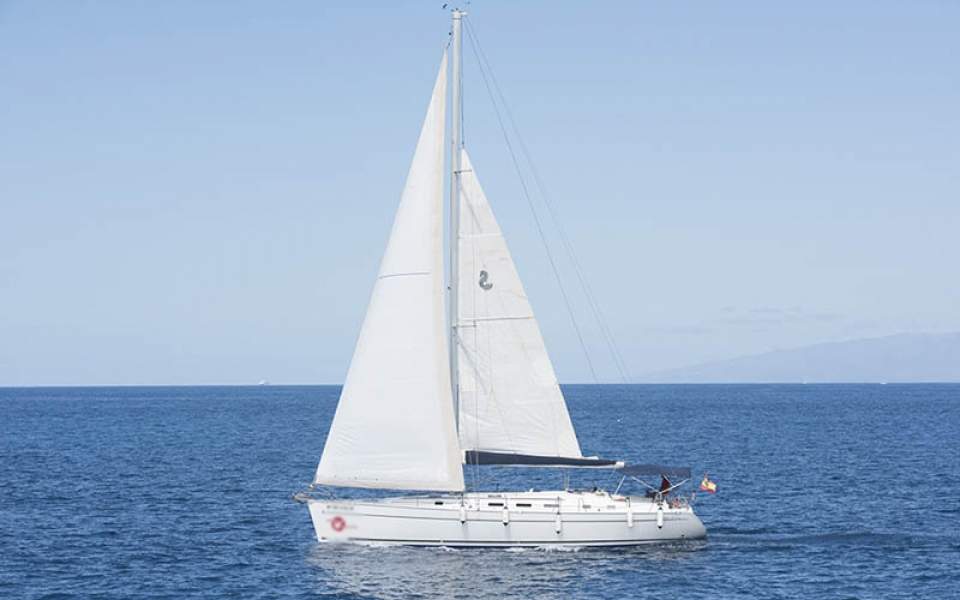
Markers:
(263, 382)
(425, 398)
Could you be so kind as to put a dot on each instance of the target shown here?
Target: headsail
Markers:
(509, 397)
(394, 425)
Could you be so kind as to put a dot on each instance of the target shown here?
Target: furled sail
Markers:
(394, 425)
(510, 401)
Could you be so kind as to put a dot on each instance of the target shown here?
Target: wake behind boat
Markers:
(428, 394)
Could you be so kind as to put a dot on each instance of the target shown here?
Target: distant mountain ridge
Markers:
(905, 357)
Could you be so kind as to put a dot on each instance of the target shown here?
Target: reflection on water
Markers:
(389, 572)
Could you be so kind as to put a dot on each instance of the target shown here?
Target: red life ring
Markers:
(338, 524)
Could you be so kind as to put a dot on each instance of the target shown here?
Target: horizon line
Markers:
(636, 383)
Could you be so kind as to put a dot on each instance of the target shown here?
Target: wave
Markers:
(856, 538)
(742, 531)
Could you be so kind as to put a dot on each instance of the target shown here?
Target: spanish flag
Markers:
(708, 486)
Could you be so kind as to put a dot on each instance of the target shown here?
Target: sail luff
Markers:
(394, 424)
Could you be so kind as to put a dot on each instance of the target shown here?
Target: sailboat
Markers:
(429, 392)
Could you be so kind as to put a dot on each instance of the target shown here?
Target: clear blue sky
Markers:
(200, 192)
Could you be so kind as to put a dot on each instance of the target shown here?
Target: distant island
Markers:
(907, 357)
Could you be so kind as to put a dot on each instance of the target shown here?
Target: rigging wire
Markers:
(605, 330)
(526, 194)
(592, 302)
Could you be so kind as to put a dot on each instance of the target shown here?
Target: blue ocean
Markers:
(825, 491)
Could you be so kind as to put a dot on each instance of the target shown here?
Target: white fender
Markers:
(629, 513)
(506, 514)
(660, 516)
(463, 513)
(558, 523)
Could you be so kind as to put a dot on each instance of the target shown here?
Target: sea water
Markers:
(825, 491)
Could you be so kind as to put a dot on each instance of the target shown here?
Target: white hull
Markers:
(507, 519)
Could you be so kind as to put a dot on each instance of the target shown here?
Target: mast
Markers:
(456, 143)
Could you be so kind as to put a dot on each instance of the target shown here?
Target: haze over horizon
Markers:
(901, 358)
(201, 193)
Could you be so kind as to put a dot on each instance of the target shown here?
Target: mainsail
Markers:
(510, 401)
(394, 425)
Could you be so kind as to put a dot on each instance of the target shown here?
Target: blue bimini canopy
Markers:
(656, 470)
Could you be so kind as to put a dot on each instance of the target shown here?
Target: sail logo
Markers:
(484, 280)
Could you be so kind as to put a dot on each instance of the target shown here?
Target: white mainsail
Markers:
(394, 425)
(510, 401)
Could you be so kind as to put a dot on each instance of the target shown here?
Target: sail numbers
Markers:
(484, 283)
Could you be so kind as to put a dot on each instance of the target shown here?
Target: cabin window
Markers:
(438, 502)
(494, 503)
(551, 506)
(586, 506)
(523, 505)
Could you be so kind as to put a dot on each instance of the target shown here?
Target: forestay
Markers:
(394, 425)
(509, 397)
